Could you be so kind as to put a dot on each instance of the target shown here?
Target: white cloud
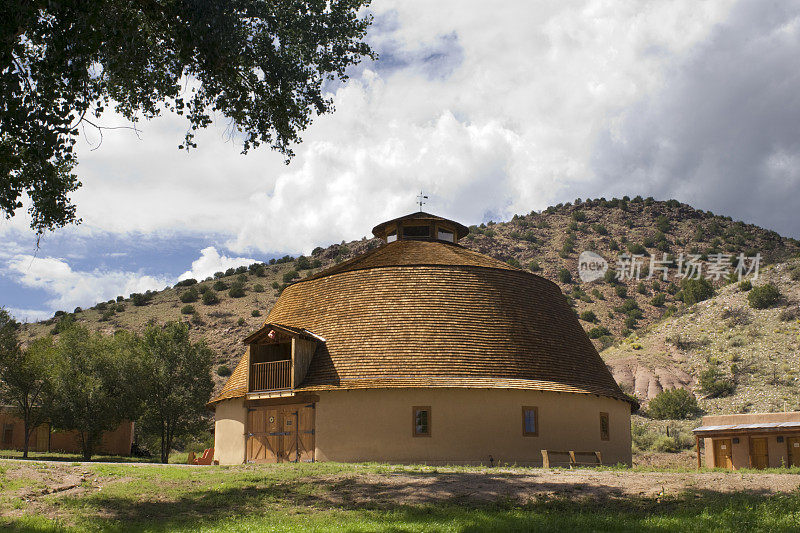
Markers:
(29, 315)
(210, 262)
(72, 288)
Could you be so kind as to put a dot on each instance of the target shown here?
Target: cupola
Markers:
(420, 227)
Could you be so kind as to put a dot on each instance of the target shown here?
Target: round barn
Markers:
(421, 350)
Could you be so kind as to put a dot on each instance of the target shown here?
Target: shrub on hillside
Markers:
(534, 266)
(258, 287)
(589, 316)
(789, 314)
(696, 290)
(224, 371)
(237, 291)
(658, 300)
(220, 285)
(230, 272)
(255, 312)
(597, 332)
(621, 290)
(794, 272)
(673, 404)
(714, 384)
(186, 283)
(578, 216)
(188, 296)
(240, 322)
(606, 341)
(187, 310)
(641, 288)
(745, 285)
(241, 270)
(302, 263)
(139, 299)
(610, 276)
(564, 276)
(290, 275)
(210, 298)
(764, 296)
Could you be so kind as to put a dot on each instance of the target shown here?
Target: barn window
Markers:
(8, 434)
(530, 421)
(604, 431)
(416, 232)
(445, 235)
(422, 421)
(391, 236)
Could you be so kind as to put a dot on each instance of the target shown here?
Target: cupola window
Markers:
(445, 235)
(416, 232)
(391, 236)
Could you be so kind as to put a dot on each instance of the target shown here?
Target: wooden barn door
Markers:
(794, 450)
(723, 457)
(262, 442)
(283, 433)
(759, 456)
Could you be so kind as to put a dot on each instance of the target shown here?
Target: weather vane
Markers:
(421, 200)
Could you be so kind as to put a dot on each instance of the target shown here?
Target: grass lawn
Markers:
(373, 497)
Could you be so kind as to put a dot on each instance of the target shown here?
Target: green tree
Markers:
(176, 377)
(673, 404)
(764, 296)
(260, 64)
(94, 384)
(25, 376)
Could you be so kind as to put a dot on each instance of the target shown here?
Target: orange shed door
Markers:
(722, 454)
(794, 450)
(759, 456)
(284, 433)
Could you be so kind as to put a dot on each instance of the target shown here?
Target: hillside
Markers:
(545, 243)
(754, 351)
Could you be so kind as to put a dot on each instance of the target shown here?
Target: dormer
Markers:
(420, 227)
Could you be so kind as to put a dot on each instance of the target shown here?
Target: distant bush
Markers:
(190, 295)
(589, 316)
(290, 275)
(120, 308)
(658, 300)
(764, 296)
(240, 322)
(120, 298)
(794, 272)
(258, 287)
(610, 277)
(302, 263)
(745, 285)
(673, 404)
(139, 299)
(237, 291)
(597, 332)
(230, 272)
(220, 285)
(187, 310)
(210, 298)
(641, 288)
(662, 223)
(224, 371)
(597, 294)
(186, 283)
(255, 312)
(257, 269)
(564, 276)
(106, 316)
(218, 275)
(600, 229)
(203, 288)
(621, 290)
(276, 285)
(696, 290)
(606, 341)
(714, 384)
(637, 249)
(534, 266)
(241, 270)
(578, 216)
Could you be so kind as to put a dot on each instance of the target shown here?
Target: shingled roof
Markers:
(432, 314)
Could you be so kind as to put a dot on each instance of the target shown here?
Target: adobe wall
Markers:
(229, 426)
(467, 426)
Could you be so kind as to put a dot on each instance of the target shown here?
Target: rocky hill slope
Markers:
(547, 243)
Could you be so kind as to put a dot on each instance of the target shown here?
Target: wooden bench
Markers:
(206, 459)
(571, 458)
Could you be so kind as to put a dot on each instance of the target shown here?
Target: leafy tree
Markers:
(24, 376)
(260, 64)
(673, 404)
(176, 377)
(94, 384)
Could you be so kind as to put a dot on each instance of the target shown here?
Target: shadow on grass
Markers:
(459, 501)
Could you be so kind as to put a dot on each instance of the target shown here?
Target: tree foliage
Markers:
(94, 384)
(673, 404)
(176, 377)
(25, 382)
(261, 64)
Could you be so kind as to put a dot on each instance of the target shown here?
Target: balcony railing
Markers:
(270, 376)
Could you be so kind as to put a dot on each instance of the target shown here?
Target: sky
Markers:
(491, 108)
